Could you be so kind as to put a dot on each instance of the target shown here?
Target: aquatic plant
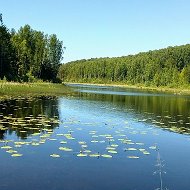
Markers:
(55, 155)
(160, 171)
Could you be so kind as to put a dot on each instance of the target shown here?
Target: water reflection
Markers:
(26, 116)
(169, 112)
(98, 137)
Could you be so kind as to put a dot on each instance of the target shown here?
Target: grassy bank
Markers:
(177, 91)
(42, 88)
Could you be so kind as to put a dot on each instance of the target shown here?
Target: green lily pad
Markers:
(131, 149)
(153, 147)
(133, 157)
(55, 155)
(84, 145)
(114, 145)
(60, 134)
(82, 142)
(112, 151)
(65, 149)
(146, 152)
(94, 136)
(35, 144)
(110, 148)
(106, 156)
(18, 145)
(81, 155)
(6, 147)
(87, 151)
(138, 143)
(63, 142)
(16, 155)
(11, 151)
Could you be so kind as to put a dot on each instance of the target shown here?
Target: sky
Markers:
(104, 28)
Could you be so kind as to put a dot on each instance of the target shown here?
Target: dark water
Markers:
(133, 123)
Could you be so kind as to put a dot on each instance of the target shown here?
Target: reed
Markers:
(42, 88)
(160, 165)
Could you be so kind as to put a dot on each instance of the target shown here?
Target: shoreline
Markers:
(29, 89)
(45, 88)
(175, 91)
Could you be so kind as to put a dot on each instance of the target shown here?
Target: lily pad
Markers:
(87, 151)
(6, 147)
(153, 147)
(110, 148)
(114, 145)
(65, 149)
(11, 151)
(112, 151)
(106, 156)
(55, 155)
(131, 149)
(16, 155)
(84, 145)
(133, 157)
(146, 152)
(35, 144)
(82, 142)
(81, 155)
(63, 142)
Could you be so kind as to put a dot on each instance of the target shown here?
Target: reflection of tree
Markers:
(168, 110)
(16, 112)
(2, 134)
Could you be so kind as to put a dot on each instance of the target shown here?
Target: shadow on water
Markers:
(26, 116)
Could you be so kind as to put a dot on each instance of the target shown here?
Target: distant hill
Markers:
(165, 67)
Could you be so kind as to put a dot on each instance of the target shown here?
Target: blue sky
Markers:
(104, 28)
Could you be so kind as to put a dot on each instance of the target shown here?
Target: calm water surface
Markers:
(42, 140)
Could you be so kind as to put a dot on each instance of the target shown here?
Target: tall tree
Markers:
(53, 59)
(7, 54)
(24, 45)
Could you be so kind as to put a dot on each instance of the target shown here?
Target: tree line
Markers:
(28, 55)
(165, 67)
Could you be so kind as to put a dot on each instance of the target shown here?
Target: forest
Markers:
(165, 67)
(28, 55)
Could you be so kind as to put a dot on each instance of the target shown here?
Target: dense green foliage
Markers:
(165, 67)
(28, 54)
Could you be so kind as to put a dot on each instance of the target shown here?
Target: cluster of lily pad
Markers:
(43, 131)
(36, 130)
(112, 144)
(176, 124)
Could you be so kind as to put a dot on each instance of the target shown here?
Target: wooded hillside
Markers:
(164, 67)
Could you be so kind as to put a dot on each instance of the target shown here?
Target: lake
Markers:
(99, 138)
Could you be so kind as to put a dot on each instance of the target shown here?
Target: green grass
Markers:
(41, 88)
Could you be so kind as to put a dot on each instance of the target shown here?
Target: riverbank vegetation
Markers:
(28, 55)
(169, 67)
(32, 89)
